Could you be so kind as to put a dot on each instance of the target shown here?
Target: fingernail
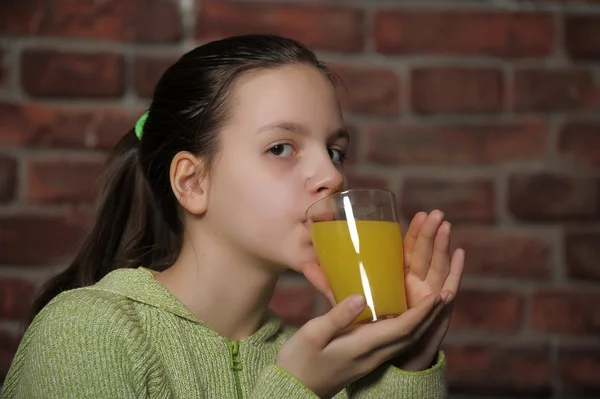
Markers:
(449, 297)
(356, 302)
(438, 300)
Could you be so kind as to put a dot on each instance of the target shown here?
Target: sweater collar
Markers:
(140, 285)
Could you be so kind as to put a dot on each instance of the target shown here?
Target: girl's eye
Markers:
(337, 155)
(281, 150)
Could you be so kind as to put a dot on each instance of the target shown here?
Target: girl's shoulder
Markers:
(85, 310)
(84, 334)
(99, 307)
(113, 297)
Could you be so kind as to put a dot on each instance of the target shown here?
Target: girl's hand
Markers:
(429, 269)
(326, 357)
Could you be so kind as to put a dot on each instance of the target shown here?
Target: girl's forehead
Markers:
(297, 93)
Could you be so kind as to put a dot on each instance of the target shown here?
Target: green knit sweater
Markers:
(128, 337)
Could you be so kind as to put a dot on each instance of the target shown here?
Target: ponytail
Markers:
(129, 230)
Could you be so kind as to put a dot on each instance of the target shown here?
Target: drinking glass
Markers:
(358, 241)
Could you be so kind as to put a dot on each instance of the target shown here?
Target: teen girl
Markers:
(202, 210)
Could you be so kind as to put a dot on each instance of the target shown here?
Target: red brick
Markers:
(147, 70)
(141, 20)
(582, 36)
(8, 347)
(68, 74)
(460, 200)
(546, 196)
(579, 142)
(47, 126)
(39, 240)
(566, 311)
(16, 298)
(547, 90)
(8, 179)
(373, 91)
(582, 252)
(579, 367)
(497, 311)
(470, 33)
(356, 180)
(321, 27)
(495, 254)
(63, 181)
(519, 369)
(23, 15)
(456, 90)
(476, 144)
(156, 20)
(295, 302)
(4, 72)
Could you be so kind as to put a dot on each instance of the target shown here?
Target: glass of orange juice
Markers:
(358, 241)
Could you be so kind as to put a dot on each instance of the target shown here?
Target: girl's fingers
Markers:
(398, 345)
(405, 328)
(411, 236)
(457, 263)
(420, 258)
(430, 343)
(321, 330)
(440, 261)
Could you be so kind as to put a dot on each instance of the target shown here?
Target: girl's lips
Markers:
(324, 216)
(308, 237)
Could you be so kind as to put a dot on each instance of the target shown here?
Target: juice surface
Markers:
(363, 257)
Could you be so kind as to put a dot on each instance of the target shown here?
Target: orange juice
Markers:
(364, 257)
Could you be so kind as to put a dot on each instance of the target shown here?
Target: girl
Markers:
(203, 209)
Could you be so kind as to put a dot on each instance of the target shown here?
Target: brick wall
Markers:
(485, 109)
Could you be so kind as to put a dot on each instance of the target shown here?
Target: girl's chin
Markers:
(308, 256)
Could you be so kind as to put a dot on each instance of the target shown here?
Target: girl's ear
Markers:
(189, 182)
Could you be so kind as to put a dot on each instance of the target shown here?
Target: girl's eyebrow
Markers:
(340, 133)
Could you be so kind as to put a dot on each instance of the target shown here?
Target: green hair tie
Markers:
(139, 125)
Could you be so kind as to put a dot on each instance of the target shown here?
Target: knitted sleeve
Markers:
(80, 346)
(391, 382)
(385, 382)
(276, 383)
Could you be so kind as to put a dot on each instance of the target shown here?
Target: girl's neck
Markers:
(221, 288)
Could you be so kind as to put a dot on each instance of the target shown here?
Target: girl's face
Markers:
(282, 150)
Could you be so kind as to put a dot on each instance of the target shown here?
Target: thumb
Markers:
(322, 329)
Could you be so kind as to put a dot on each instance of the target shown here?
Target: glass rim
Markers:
(341, 193)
